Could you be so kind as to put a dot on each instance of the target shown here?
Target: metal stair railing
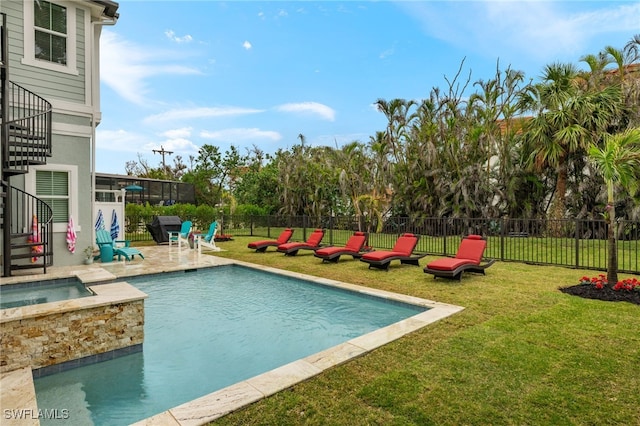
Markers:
(26, 129)
(26, 139)
(31, 226)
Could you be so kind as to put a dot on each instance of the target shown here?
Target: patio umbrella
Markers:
(115, 226)
(134, 188)
(71, 236)
(99, 221)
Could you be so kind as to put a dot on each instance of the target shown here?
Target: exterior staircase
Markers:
(25, 137)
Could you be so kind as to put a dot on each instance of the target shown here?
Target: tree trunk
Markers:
(558, 205)
(612, 261)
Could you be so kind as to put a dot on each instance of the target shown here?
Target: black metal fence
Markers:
(574, 243)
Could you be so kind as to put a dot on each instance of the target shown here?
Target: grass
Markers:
(521, 353)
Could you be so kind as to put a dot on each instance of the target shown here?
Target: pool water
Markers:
(14, 295)
(209, 329)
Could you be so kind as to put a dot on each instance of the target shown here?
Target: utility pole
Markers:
(162, 152)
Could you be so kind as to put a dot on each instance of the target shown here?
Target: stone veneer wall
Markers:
(56, 337)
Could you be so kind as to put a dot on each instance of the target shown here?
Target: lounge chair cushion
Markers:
(468, 258)
(471, 248)
(313, 241)
(283, 238)
(356, 242)
(315, 238)
(256, 244)
(379, 255)
(449, 264)
(403, 248)
(405, 244)
(352, 248)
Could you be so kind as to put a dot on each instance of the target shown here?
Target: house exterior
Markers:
(50, 110)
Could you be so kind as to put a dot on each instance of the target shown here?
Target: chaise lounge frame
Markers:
(467, 259)
(312, 243)
(262, 245)
(353, 248)
(402, 251)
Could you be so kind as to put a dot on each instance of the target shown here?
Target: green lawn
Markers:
(521, 353)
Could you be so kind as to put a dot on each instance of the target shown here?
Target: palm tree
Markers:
(619, 163)
(569, 119)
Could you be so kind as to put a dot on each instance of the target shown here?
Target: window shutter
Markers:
(53, 188)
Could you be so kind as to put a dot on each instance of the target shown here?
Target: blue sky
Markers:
(181, 74)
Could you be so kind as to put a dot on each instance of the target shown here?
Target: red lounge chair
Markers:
(467, 258)
(261, 246)
(402, 251)
(312, 243)
(354, 246)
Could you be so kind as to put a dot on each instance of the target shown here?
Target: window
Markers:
(50, 39)
(52, 187)
(50, 22)
(56, 185)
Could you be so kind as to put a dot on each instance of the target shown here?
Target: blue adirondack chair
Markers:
(181, 236)
(208, 240)
(109, 248)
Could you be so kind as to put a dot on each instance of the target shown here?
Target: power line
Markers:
(162, 152)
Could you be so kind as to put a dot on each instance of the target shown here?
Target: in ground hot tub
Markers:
(33, 293)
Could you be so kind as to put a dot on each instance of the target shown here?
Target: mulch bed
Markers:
(606, 293)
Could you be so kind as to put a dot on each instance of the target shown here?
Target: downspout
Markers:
(95, 84)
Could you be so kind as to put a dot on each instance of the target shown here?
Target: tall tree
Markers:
(214, 173)
(568, 119)
(618, 160)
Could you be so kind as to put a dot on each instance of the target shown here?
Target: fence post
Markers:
(331, 230)
(502, 236)
(304, 227)
(444, 232)
(577, 248)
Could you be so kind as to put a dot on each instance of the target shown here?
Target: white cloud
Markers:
(176, 140)
(183, 132)
(540, 30)
(202, 112)
(125, 67)
(121, 140)
(315, 108)
(387, 53)
(236, 135)
(171, 35)
(246, 45)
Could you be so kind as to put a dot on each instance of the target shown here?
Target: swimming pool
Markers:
(193, 320)
(14, 295)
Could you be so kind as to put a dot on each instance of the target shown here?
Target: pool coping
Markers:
(232, 398)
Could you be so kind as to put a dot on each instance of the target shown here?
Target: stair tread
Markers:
(28, 266)
(28, 255)
(29, 136)
(23, 245)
